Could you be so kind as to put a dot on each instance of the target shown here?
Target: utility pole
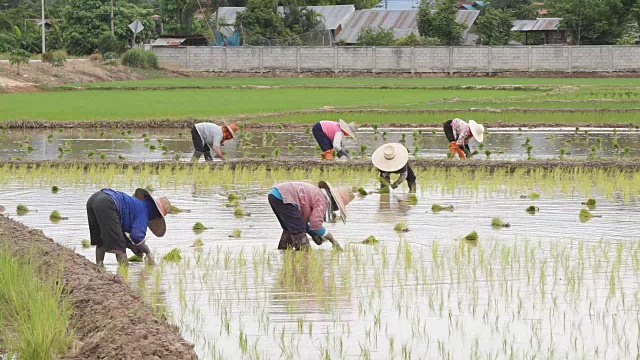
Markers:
(112, 30)
(43, 29)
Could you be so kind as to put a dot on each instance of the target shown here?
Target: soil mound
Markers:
(109, 320)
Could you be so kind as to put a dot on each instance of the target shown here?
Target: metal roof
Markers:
(168, 41)
(540, 24)
(402, 22)
(332, 16)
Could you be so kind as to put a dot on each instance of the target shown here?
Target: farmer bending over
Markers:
(329, 135)
(207, 136)
(393, 158)
(302, 208)
(113, 214)
(459, 133)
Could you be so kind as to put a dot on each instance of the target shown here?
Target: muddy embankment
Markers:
(365, 164)
(109, 320)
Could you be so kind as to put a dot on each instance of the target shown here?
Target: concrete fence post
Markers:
(188, 49)
(450, 60)
(335, 59)
(298, 58)
(611, 50)
(570, 59)
(530, 66)
(490, 58)
(225, 65)
(412, 63)
(261, 59)
(373, 53)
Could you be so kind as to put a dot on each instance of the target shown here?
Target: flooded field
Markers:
(165, 144)
(551, 285)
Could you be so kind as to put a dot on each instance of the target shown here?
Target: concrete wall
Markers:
(401, 59)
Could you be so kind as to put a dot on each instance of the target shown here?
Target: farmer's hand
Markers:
(342, 153)
(317, 239)
(333, 241)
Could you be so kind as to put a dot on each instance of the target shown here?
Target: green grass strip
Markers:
(34, 313)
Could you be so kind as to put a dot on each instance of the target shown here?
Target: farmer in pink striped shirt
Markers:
(302, 208)
(329, 135)
(459, 133)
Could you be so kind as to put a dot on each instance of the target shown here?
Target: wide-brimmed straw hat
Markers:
(477, 130)
(390, 157)
(342, 196)
(157, 225)
(350, 128)
(233, 128)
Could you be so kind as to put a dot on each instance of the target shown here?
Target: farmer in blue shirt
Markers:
(113, 214)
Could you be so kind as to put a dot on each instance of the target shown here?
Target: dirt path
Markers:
(110, 321)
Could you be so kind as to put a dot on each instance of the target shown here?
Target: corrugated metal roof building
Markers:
(550, 27)
(402, 22)
(333, 17)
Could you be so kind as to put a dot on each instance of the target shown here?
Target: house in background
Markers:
(470, 5)
(402, 22)
(548, 27)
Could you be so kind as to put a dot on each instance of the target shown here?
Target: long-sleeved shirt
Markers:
(334, 132)
(134, 214)
(461, 131)
(404, 172)
(210, 133)
(311, 201)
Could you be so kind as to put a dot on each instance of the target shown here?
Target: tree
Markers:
(441, 23)
(19, 56)
(107, 42)
(593, 22)
(494, 27)
(86, 20)
(369, 36)
(178, 15)
(521, 9)
(27, 39)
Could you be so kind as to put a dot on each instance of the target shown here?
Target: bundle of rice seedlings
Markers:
(362, 191)
(235, 233)
(198, 227)
(177, 210)
(497, 222)
(586, 215)
(233, 197)
(371, 240)
(401, 227)
(55, 216)
(22, 209)
(55, 189)
(85, 243)
(197, 243)
(240, 212)
(136, 258)
(437, 208)
(472, 236)
(412, 199)
(174, 255)
(532, 209)
(591, 203)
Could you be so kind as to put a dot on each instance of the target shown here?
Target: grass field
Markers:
(213, 98)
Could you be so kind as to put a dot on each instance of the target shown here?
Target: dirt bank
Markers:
(39, 74)
(283, 163)
(110, 321)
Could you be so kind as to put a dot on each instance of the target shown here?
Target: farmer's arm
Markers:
(316, 221)
(462, 139)
(401, 178)
(139, 229)
(218, 151)
(337, 141)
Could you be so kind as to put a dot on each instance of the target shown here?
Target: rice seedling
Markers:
(239, 212)
(152, 147)
(177, 210)
(586, 215)
(103, 155)
(412, 199)
(437, 208)
(136, 258)
(235, 233)
(85, 243)
(22, 209)
(232, 197)
(532, 209)
(90, 154)
(197, 243)
(276, 152)
(403, 138)
(563, 152)
(290, 147)
(175, 255)
(384, 190)
(472, 236)
(526, 142)
(401, 227)
(362, 191)
(55, 216)
(371, 240)
(363, 150)
(487, 153)
(198, 228)
(120, 157)
(497, 222)
(54, 189)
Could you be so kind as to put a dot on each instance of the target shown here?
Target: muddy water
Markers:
(550, 284)
(503, 143)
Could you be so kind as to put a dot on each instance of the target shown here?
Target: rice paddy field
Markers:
(522, 260)
(554, 284)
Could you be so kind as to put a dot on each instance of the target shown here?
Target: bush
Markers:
(375, 37)
(107, 42)
(55, 58)
(110, 58)
(410, 40)
(96, 56)
(139, 58)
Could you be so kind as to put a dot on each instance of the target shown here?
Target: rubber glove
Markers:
(317, 239)
(333, 241)
(342, 153)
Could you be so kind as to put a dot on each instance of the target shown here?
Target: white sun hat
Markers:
(477, 130)
(349, 128)
(390, 157)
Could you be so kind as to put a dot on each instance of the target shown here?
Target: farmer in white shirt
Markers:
(207, 136)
